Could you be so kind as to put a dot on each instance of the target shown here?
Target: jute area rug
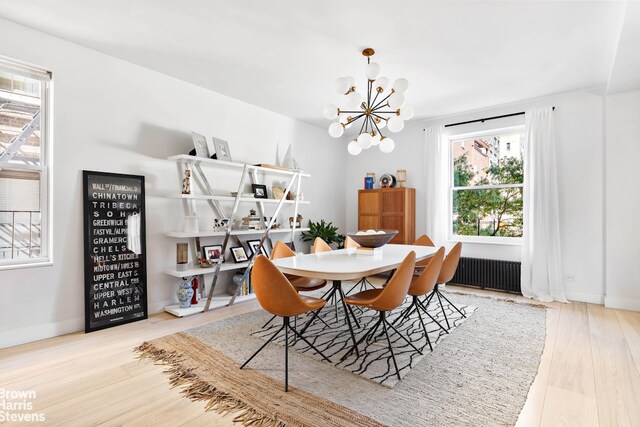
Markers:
(479, 375)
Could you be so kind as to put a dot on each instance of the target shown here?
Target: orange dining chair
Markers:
(448, 270)
(320, 245)
(423, 240)
(420, 286)
(300, 284)
(277, 296)
(349, 243)
(384, 300)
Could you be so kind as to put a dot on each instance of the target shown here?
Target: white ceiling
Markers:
(285, 55)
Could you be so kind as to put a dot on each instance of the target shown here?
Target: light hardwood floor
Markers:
(589, 374)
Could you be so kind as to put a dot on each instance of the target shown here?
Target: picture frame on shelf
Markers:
(222, 149)
(200, 144)
(259, 191)
(254, 245)
(278, 191)
(213, 253)
(239, 254)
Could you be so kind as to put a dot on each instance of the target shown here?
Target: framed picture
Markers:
(213, 253)
(278, 192)
(222, 149)
(259, 191)
(254, 244)
(239, 254)
(200, 143)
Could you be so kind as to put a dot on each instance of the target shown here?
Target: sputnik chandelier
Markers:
(380, 109)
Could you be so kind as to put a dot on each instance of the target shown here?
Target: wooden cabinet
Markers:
(389, 208)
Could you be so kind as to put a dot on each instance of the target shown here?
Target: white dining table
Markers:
(348, 264)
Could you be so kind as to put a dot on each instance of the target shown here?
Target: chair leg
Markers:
(348, 309)
(355, 347)
(268, 322)
(424, 328)
(406, 312)
(315, 314)
(286, 354)
(393, 356)
(424, 309)
(402, 336)
(311, 345)
(450, 303)
(263, 346)
(443, 311)
(353, 337)
(354, 286)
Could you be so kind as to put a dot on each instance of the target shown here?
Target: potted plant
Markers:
(326, 231)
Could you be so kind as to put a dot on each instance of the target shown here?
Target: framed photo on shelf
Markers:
(259, 191)
(222, 149)
(200, 144)
(213, 253)
(239, 254)
(254, 244)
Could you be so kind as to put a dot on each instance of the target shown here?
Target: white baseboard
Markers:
(622, 303)
(589, 297)
(50, 330)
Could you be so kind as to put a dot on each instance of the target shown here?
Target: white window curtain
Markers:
(541, 264)
(437, 182)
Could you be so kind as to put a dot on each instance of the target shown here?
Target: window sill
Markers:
(501, 241)
(36, 263)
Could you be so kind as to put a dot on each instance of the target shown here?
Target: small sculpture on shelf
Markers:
(185, 293)
(298, 223)
(186, 182)
(220, 224)
(252, 221)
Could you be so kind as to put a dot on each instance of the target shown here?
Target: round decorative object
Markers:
(387, 181)
(373, 240)
(184, 294)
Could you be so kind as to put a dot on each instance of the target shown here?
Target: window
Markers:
(24, 184)
(486, 186)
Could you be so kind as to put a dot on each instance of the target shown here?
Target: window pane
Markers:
(488, 160)
(19, 119)
(20, 215)
(494, 212)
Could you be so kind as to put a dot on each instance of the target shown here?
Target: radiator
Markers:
(489, 273)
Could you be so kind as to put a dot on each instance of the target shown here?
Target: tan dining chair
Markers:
(349, 243)
(384, 300)
(300, 284)
(320, 245)
(420, 286)
(277, 296)
(423, 240)
(448, 270)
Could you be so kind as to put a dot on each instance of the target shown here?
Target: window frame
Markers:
(498, 240)
(44, 167)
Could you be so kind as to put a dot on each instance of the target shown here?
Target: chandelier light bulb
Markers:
(381, 84)
(373, 69)
(330, 112)
(342, 85)
(401, 85)
(354, 99)
(351, 80)
(395, 124)
(353, 148)
(381, 123)
(396, 101)
(364, 140)
(336, 129)
(375, 139)
(406, 112)
(387, 145)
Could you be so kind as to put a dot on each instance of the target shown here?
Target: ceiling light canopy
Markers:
(382, 106)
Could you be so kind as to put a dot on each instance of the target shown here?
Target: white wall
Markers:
(622, 201)
(579, 127)
(110, 115)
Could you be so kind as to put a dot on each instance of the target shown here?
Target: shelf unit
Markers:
(250, 175)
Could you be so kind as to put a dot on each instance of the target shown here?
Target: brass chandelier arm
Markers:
(383, 101)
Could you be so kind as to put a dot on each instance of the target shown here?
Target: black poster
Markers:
(114, 249)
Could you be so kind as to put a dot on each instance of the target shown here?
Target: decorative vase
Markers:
(184, 294)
